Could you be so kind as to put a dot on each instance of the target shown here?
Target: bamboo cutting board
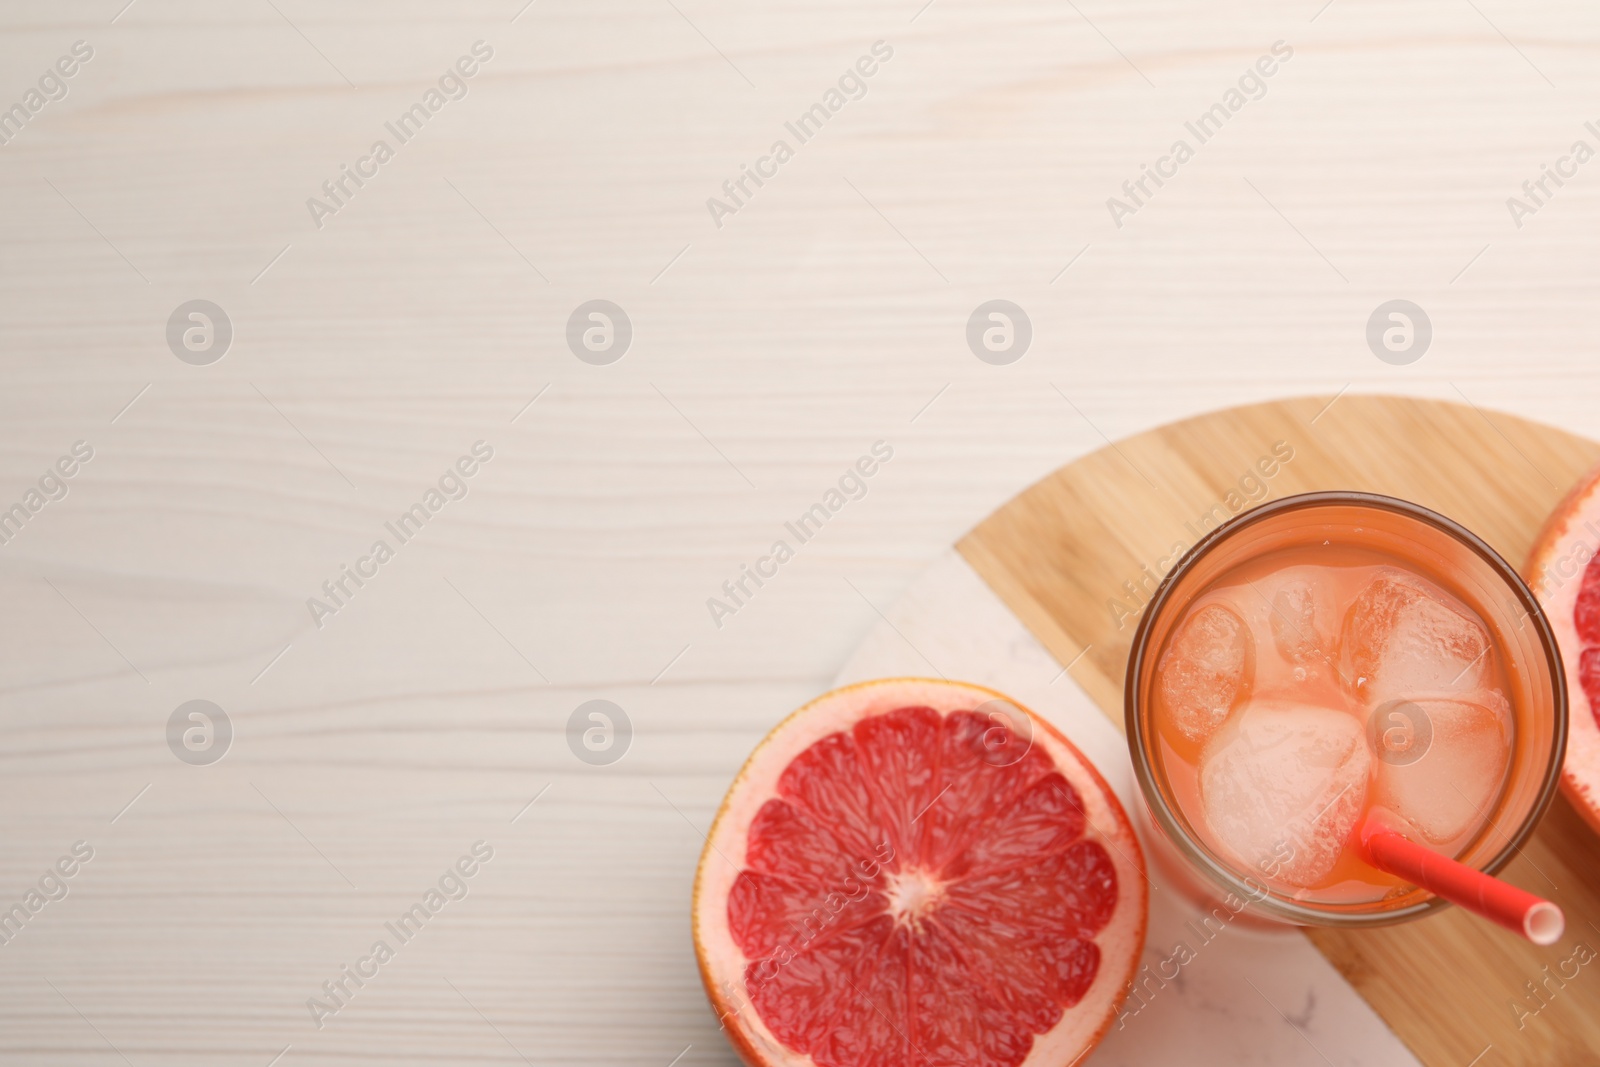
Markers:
(1075, 556)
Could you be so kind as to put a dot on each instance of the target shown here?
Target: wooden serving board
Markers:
(1075, 555)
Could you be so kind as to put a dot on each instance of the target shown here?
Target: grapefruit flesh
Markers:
(1564, 572)
(916, 872)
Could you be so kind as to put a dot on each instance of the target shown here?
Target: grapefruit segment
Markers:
(1045, 818)
(1564, 572)
(1586, 612)
(910, 872)
(1589, 675)
(900, 754)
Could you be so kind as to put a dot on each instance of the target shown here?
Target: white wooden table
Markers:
(430, 311)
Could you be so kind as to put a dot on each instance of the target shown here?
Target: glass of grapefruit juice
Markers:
(1334, 660)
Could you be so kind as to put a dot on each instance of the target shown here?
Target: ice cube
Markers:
(1441, 762)
(1403, 638)
(1281, 786)
(1294, 624)
(1204, 670)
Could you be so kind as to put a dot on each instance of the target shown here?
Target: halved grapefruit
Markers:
(1564, 572)
(916, 872)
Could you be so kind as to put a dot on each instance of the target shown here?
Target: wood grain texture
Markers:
(1450, 985)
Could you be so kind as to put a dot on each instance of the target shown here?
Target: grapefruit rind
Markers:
(722, 963)
(1555, 571)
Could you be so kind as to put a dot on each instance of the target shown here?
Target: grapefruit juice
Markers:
(1334, 661)
(1315, 686)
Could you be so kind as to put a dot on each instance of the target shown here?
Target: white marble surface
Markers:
(1239, 997)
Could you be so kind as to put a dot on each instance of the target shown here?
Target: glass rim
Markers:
(1254, 891)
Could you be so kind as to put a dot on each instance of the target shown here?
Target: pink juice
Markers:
(1311, 686)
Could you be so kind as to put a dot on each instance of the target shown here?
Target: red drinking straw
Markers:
(1516, 909)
